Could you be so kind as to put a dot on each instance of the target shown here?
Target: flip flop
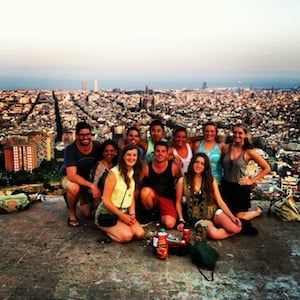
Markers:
(106, 240)
(73, 223)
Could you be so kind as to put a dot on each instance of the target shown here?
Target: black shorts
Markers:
(236, 196)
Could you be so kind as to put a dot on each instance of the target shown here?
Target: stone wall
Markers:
(33, 188)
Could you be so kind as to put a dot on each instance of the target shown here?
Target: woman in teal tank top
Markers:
(211, 146)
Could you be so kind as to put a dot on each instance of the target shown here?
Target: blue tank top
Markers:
(215, 160)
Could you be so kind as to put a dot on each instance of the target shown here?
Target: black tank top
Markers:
(163, 183)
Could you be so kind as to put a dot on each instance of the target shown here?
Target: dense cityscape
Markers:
(36, 125)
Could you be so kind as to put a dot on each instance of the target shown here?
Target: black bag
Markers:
(204, 257)
(107, 220)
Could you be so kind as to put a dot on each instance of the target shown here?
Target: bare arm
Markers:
(253, 155)
(143, 144)
(131, 212)
(221, 204)
(223, 148)
(178, 204)
(170, 153)
(144, 171)
(195, 146)
(107, 193)
(131, 209)
(122, 143)
(194, 139)
(176, 171)
(109, 186)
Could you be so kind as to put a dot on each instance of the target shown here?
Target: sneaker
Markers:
(148, 217)
(197, 225)
(247, 228)
(41, 197)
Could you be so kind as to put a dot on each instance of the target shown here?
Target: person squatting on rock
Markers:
(79, 158)
(158, 185)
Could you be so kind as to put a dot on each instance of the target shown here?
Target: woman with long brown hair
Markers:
(204, 203)
(119, 199)
(236, 185)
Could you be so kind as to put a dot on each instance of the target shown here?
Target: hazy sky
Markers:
(145, 40)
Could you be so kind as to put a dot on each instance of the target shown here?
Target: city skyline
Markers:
(128, 44)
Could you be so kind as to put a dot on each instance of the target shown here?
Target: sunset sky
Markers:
(144, 41)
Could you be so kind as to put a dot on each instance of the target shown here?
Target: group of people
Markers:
(186, 181)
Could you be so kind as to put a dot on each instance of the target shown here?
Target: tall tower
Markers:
(83, 84)
(95, 85)
(117, 132)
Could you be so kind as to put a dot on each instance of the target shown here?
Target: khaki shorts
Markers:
(83, 194)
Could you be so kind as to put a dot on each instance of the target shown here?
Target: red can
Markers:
(187, 235)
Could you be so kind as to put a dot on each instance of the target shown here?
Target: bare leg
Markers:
(72, 197)
(222, 220)
(137, 230)
(120, 233)
(218, 233)
(168, 221)
(213, 232)
(85, 210)
(147, 196)
(249, 215)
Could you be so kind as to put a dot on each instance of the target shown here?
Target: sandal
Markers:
(106, 240)
(73, 222)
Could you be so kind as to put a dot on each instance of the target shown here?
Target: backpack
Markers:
(14, 203)
(204, 257)
(286, 209)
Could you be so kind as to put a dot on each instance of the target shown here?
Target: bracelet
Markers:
(181, 221)
(132, 214)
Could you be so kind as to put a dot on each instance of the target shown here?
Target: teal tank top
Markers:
(149, 155)
(215, 160)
